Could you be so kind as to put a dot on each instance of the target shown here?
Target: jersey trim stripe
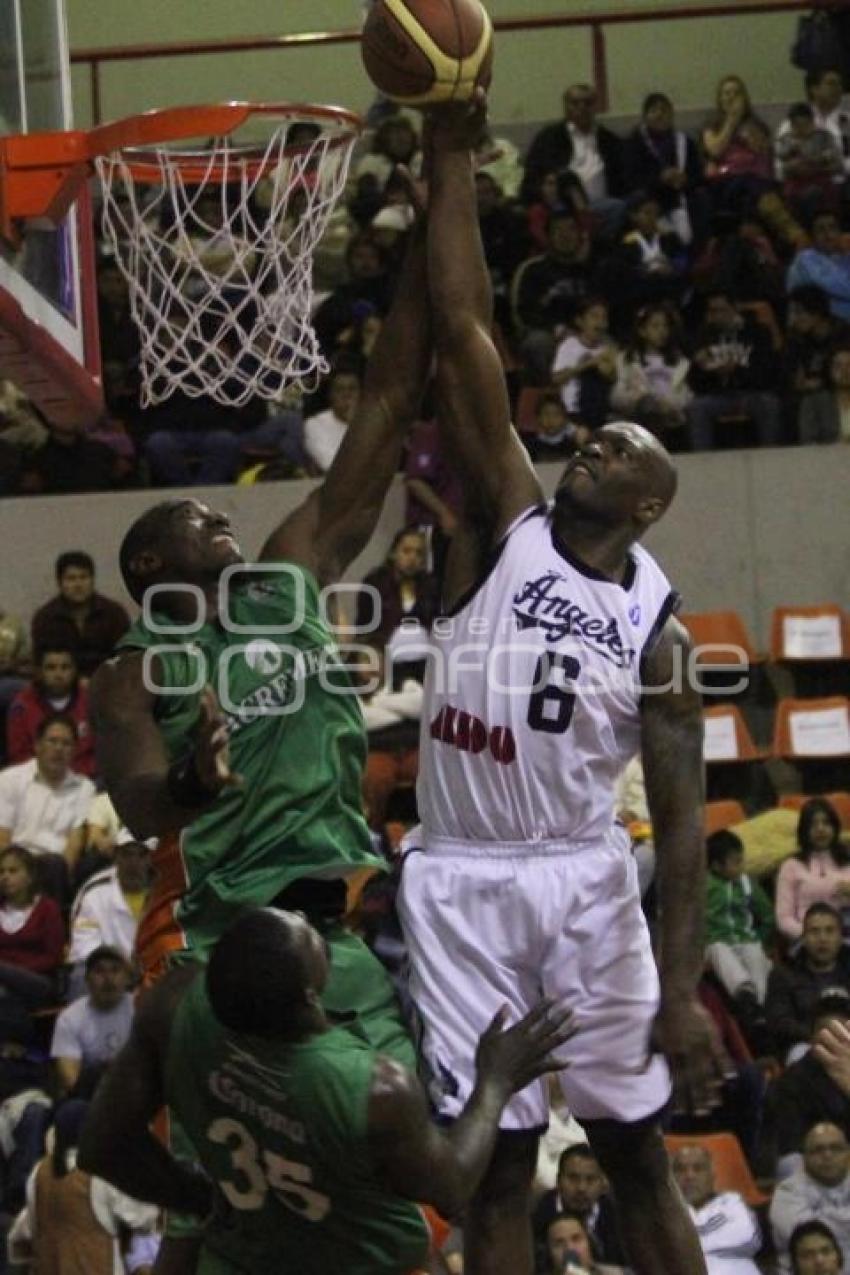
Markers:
(669, 607)
(591, 573)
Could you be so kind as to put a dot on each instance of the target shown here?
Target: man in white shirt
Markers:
(324, 432)
(728, 1230)
(107, 909)
(819, 1188)
(43, 803)
(94, 1028)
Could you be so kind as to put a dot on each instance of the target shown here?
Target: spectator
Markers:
(663, 160)
(728, 1231)
(21, 426)
(739, 921)
(733, 371)
(820, 964)
(405, 589)
(588, 149)
(72, 1222)
(368, 280)
(55, 688)
(824, 91)
(818, 1190)
(93, 1028)
(808, 159)
(546, 291)
(810, 337)
(499, 159)
(739, 260)
(814, 1250)
(555, 191)
(651, 262)
(14, 659)
(554, 435)
(434, 496)
(103, 826)
(504, 236)
(581, 1190)
(805, 1094)
(739, 165)
(108, 908)
(652, 375)
(71, 461)
(818, 873)
(79, 619)
(826, 264)
(324, 431)
(395, 141)
(585, 368)
(195, 441)
(568, 1248)
(825, 415)
(32, 936)
(43, 804)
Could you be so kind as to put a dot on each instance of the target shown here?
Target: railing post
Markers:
(599, 58)
(94, 80)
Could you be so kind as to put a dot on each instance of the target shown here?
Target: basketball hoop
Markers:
(212, 214)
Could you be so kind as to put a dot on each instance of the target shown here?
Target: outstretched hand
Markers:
(212, 746)
(832, 1050)
(684, 1032)
(515, 1056)
(457, 125)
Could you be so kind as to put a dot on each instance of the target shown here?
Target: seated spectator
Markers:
(102, 826)
(554, 434)
(21, 425)
(32, 936)
(805, 1093)
(808, 159)
(825, 93)
(324, 431)
(811, 334)
(824, 417)
(739, 164)
(738, 922)
(661, 159)
(733, 371)
(395, 141)
(555, 191)
(498, 158)
(14, 659)
(71, 461)
(585, 368)
(589, 150)
(818, 1190)
(95, 1027)
(581, 1189)
(652, 375)
(568, 1249)
(825, 265)
(79, 619)
(651, 261)
(43, 804)
(404, 590)
(740, 261)
(728, 1230)
(820, 963)
(505, 238)
(546, 290)
(368, 280)
(55, 688)
(73, 1222)
(818, 873)
(814, 1250)
(108, 908)
(195, 441)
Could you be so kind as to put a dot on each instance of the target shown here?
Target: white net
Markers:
(216, 245)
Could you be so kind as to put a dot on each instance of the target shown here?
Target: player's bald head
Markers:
(621, 478)
(265, 971)
(654, 459)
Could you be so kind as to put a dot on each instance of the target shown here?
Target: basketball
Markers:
(423, 51)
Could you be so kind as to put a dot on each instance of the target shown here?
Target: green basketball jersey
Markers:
(296, 737)
(282, 1128)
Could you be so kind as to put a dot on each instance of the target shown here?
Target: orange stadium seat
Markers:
(722, 814)
(725, 631)
(812, 729)
(817, 633)
(731, 1171)
(731, 741)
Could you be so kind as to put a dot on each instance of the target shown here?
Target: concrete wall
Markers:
(683, 58)
(749, 531)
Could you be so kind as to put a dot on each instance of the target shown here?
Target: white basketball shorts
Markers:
(497, 925)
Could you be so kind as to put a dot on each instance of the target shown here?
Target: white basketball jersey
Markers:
(532, 694)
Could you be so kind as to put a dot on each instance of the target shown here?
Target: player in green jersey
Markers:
(314, 1145)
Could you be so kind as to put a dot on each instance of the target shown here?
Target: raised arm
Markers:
(152, 795)
(335, 523)
(671, 739)
(474, 409)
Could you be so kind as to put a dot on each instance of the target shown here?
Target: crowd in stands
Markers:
(699, 284)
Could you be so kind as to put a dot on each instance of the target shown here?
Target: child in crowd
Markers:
(585, 369)
(808, 159)
(554, 437)
(653, 259)
(739, 920)
(652, 374)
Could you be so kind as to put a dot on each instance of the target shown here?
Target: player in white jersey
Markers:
(554, 662)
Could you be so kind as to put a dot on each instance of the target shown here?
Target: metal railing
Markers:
(595, 22)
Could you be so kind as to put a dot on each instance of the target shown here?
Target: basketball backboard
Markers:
(48, 306)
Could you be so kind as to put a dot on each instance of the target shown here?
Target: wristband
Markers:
(185, 786)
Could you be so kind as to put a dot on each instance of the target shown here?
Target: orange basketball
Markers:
(422, 51)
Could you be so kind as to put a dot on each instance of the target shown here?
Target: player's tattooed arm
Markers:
(474, 410)
(671, 740)
(335, 523)
(152, 795)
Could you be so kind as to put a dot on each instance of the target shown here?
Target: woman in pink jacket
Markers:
(818, 873)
